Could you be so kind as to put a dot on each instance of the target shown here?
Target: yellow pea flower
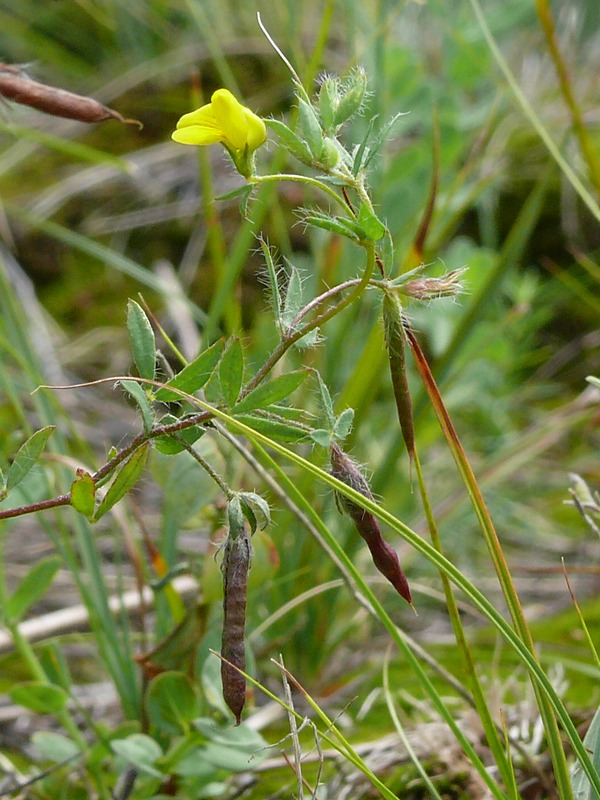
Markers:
(224, 120)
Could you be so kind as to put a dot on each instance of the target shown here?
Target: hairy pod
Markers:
(384, 556)
(235, 567)
(395, 341)
(16, 86)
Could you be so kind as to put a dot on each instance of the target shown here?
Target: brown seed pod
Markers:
(384, 556)
(235, 566)
(16, 86)
(395, 340)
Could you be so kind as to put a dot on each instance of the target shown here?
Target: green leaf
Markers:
(272, 392)
(237, 192)
(83, 494)
(184, 757)
(582, 789)
(26, 456)
(42, 698)
(52, 660)
(380, 138)
(311, 128)
(139, 750)
(275, 429)
(289, 412)
(260, 508)
(321, 437)
(3, 489)
(190, 763)
(33, 587)
(231, 372)
(290, 140)
(54, 746)
(194, 375)
(352, 97)
(143, 344)
(329, 98)
(210, 676)
(124, 480)
(362, 151)
(326, 401)
(294, 298)
(342, 227)
(138, 392)
(372, 225)
(343, 424)
(172, 702)
(275, 291)
(169, 445)
(309, 339)
(234, 749)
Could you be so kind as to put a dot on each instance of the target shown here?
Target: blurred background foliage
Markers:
(90, 227)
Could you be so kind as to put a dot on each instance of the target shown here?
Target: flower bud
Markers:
(329, 99)
(330, 155)
(353, 94)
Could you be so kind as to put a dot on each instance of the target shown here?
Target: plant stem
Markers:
(586, 144)
(259, 180)
(294, 336)
(499, 562)
(489, 725)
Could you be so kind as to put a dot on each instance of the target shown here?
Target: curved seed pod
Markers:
(384, 556)
(235, 566)
(16, 86)
(395, 340)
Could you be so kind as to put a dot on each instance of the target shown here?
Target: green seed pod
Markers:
(235, 567)
(395, 340)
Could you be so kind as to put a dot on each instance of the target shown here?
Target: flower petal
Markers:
(203, 116)
(197, 134)
(257, 130)
(230, 118)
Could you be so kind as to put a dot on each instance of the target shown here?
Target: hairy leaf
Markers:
(32, 588)
(125, 479)
(193, 376)
(272, 392)
(26, 456)
(143, 343)
(231, 372)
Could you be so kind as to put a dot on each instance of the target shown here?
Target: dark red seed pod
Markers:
(346, 471)
(236, 563)
(387, 562)
(384, 556)
(16, 86)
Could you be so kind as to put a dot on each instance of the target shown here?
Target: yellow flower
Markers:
(224, 120)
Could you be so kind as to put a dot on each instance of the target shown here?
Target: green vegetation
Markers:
(198, 346)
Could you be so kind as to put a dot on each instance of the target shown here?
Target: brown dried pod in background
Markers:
(16, 86)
